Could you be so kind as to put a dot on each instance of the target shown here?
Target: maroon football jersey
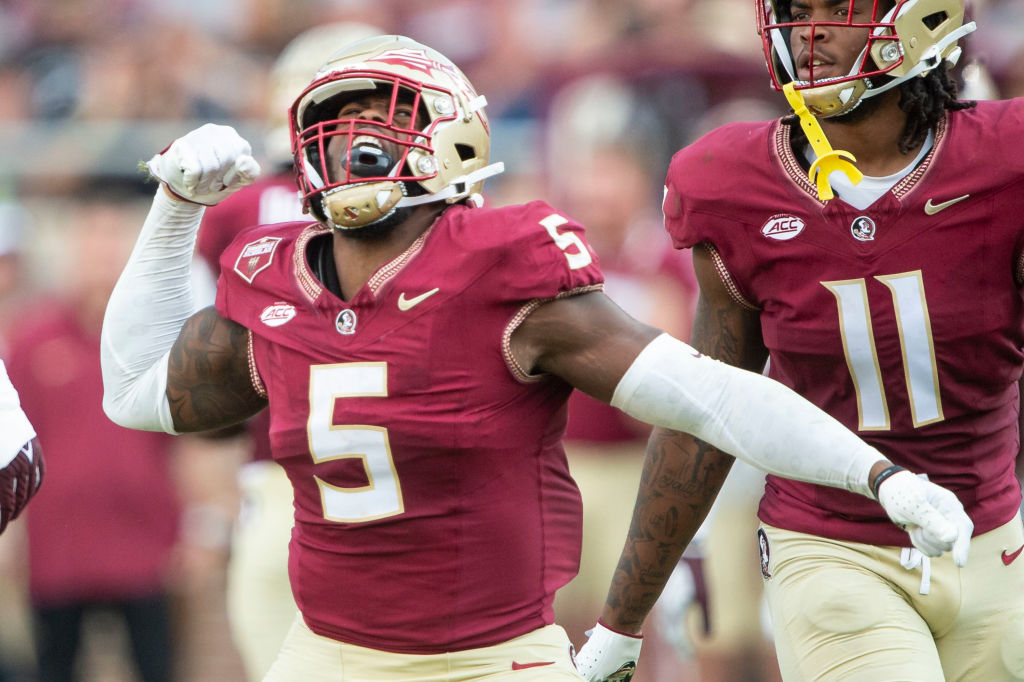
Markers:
(902, 320)
(434, 508)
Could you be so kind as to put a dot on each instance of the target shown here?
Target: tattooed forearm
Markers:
(681, 478)
(682, 475)
(208, 383)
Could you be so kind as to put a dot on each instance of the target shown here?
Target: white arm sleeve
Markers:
(146, 311)
(750, 416)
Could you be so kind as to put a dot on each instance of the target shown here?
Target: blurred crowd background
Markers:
(588, 100)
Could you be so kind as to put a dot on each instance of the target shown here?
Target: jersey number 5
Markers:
(382, 496)
(571, 245)
(916, 344)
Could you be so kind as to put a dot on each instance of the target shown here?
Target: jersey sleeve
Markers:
(533, 252)
(707, 182)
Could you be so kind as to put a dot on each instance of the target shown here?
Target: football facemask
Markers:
(354, 172)
(910, 39)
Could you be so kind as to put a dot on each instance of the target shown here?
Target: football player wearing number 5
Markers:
(416, 351)
(892, 303)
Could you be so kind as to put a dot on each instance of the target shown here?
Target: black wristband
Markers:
(885, 473)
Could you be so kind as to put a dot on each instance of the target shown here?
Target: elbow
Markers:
(114, 409)
(130, 414)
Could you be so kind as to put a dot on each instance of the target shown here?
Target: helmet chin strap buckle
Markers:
(829, 160)
(354, 206)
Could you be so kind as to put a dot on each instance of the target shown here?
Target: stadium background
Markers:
(89, 88)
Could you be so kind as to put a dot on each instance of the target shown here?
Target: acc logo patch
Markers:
(762, 545)
(277, 314)
(256, 257)
(863, 229)
(782, 227)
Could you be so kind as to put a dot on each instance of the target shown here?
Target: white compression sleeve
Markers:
(149, 305)
(750, 416)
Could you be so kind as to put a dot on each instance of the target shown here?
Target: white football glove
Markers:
(206, 165)
(608, 656)
(932, 515)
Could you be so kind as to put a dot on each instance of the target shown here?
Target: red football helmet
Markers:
(903, 39)
(442, 157)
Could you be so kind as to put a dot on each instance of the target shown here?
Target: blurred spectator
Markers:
(102, 533)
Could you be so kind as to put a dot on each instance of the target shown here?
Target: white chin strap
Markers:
(450, 191)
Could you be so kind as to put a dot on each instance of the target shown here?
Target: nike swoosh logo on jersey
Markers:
(932, 209)
(1008, 558)
(409, 303)
(524, 666)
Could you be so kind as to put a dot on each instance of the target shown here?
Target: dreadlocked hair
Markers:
(924, 100)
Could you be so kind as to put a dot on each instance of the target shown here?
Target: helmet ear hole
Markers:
(465, 152)
(934, 20)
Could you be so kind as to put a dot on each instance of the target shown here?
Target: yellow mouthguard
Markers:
(828, 159)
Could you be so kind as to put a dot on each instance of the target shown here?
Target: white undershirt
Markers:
(870, 188)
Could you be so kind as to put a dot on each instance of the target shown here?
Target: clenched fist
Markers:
(206, 165)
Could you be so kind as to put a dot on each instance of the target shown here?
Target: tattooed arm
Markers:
(682, 475)
(205, 379)
(208, 380)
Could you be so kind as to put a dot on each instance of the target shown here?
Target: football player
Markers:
(882, 278)
(416, 351)
(259, 597)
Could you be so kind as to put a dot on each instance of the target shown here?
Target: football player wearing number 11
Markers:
(892, 303)
(416, 352)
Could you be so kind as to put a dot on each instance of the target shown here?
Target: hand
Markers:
(206, 165)
(932, 515)
(608, 656)
(19, 481)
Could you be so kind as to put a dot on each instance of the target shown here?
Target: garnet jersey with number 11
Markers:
(902, 320)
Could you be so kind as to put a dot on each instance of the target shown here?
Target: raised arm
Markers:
(203, 382)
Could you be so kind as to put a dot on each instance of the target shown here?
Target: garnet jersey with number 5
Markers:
(904, 320)
(434, 507)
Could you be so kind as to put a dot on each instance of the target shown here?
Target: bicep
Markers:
(586, 339)
(208, 380)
